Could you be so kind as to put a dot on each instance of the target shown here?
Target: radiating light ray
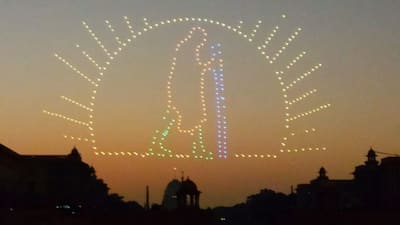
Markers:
(303, 132)
(267, 41)
(256, 27)
(73, 68)
(88, 57)
(130, 28)
(77, 103)
(291, 38)
(303, 76)
(69, 119)
(97, 40)
(308, 113)
(301, 97)
(83, 139)
(109, 26)
(295, 60)
(116, 37)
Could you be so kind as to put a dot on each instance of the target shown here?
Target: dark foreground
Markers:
(198, 217)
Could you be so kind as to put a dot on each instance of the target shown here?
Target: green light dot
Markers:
(165, 133)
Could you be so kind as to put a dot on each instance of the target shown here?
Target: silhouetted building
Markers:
(374, 186)
(378, 185)
(48, 181)
(188, 195)
(324, 193)
(170, 199)
(181, 194)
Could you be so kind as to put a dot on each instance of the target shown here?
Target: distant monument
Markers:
(181, 194)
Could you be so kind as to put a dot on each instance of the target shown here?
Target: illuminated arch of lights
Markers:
(213, 66)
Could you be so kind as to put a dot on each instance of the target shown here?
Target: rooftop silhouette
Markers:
(51, 181)
(374, 186)
(371, 197)
(43, 186)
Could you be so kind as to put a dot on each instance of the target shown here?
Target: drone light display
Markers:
(211, 65)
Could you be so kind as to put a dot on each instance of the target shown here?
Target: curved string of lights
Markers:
(271, 57)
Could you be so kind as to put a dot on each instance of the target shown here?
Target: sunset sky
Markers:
(357, 43)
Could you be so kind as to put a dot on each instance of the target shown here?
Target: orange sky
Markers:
(357, 44)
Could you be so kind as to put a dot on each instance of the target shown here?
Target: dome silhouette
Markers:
(181, 194)
(170, 199)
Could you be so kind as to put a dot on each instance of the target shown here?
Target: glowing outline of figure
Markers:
(176, 120)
